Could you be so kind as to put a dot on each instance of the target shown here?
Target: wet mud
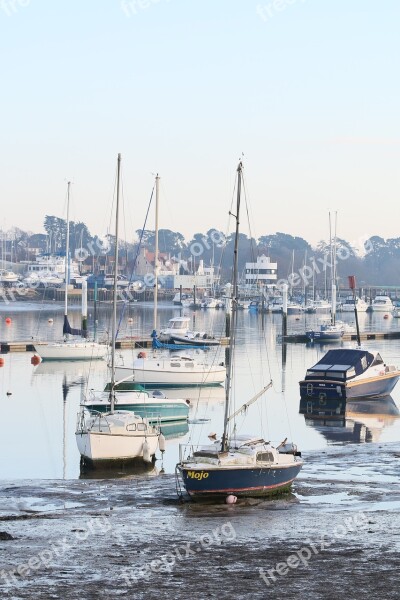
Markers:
(336, 536)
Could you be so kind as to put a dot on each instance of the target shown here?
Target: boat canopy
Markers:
(343, 364)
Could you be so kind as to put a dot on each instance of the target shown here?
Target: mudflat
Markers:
(337, 535)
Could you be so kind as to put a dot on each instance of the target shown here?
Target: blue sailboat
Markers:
(240, 465)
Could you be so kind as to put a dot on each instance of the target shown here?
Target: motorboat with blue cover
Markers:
(349, 373)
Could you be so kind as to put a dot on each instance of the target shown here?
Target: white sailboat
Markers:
(79, 348)
(118, 434)
(243, 465)
(332, 331)
(350, 301)
(164, 370)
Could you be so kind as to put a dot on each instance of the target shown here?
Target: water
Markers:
(39, 404)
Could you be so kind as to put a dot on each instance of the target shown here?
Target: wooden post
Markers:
(284, 310)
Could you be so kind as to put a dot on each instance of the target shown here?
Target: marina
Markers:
(199, 301)
(49, 394)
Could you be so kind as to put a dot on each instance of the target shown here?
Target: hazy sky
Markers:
(308, 90)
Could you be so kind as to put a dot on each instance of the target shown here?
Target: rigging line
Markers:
(253, 255)
(252, 241)
(135, 260)
(124, 222)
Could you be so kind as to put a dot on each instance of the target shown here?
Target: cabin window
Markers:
(190, 365)
(364, 363)
(377, 361)
(175, 364)
(351, 372)
(336, 375)
(265, 457)
(131, 427)
(141, 427)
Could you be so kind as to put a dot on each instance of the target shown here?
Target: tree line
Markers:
(377, 265)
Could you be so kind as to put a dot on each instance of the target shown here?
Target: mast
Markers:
(234, 296)
(156, 256)
(291, 278)
(334, 275)
(352, 286)
(114, 314)
(67, 256)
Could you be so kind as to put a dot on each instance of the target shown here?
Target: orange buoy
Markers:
(142, 355)
(8, 320)
(385, 316)
(35, 360)
(1, 362)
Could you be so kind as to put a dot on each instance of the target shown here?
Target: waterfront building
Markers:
(262, 273)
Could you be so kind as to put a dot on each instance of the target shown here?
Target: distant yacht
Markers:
(209, 302)
(276, 305)
(8, 277)
(176, 326)
(382, 304)
(327, 332)
(49, 270)
(320, 307)
(294, 308)
(178, 298)
(348, 304)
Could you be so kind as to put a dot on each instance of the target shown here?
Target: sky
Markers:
(308, 91)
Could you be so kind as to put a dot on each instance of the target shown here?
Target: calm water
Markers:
(39, 404)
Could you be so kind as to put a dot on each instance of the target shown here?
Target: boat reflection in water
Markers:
(119, 471)
(174, 430)
(356, 421)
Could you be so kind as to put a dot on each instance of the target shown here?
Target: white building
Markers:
(261, 273)
(204, 278)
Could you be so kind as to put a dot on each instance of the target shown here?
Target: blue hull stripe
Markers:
(238, 481)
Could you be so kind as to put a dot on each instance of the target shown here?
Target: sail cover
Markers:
(67, 329)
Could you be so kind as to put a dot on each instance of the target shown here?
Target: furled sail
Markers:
(67, 329)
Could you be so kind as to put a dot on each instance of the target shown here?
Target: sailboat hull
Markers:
(97, 446)
(72, 351)
(163, 377)
(195, 341)
(324, 336)
(246, 482)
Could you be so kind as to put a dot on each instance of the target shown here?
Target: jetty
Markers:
(301, 338)
(121, 344)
